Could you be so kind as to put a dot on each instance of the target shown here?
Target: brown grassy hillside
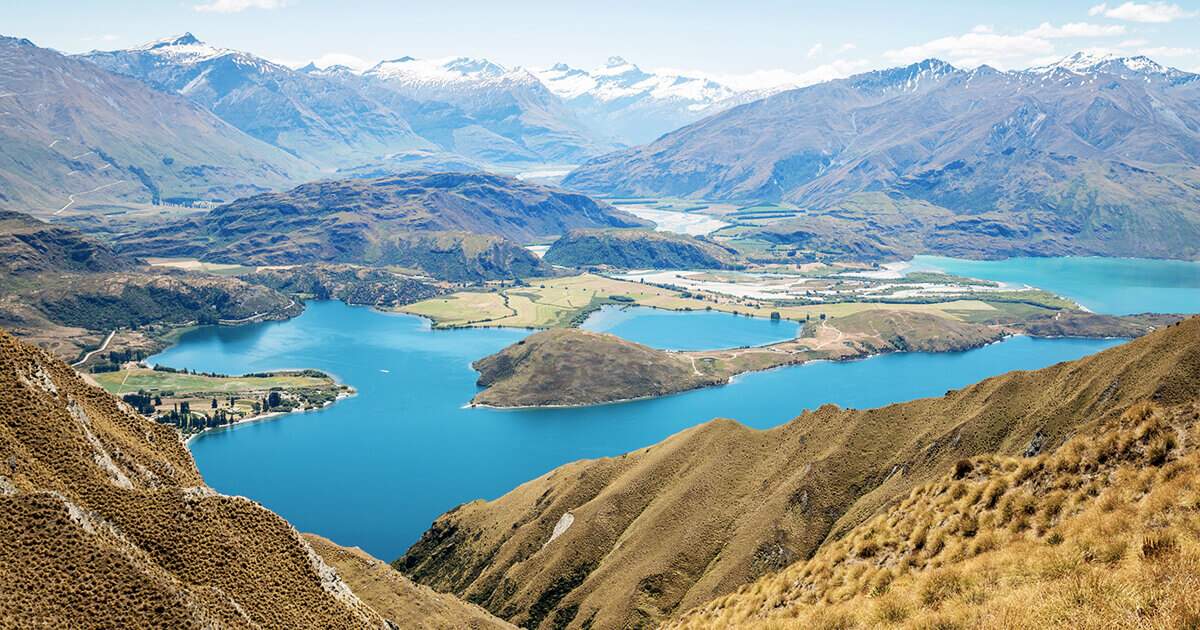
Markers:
(1104, 532)
(661, 530)
(105, 522)
(409, 605)
(568, 366)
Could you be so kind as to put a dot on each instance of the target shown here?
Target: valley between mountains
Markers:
(450, 343)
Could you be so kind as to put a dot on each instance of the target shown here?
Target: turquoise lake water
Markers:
(1118, 286)
(375, 470)
(689, 330)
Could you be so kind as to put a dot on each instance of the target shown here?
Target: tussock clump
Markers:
(1111, 540)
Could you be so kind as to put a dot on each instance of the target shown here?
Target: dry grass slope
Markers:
(1104, 532)
(105, 522)
(659, 531)
(400, 600)
(568, 366)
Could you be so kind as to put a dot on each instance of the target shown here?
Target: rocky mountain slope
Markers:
(1088, 156)
(639, 249)
(1099, 533)
(319, 120)
(28, 245)
(105, 521)
(568, 366)
(76, 134)
(476, 108)
(632, 540)
(451, 225)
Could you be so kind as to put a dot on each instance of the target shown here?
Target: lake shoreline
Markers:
(263, 417)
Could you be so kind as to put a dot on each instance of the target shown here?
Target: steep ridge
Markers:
(639, 249)
(77, 134)
(1076, 158)
(632, 540)
(105, 522)
(412, 219)
(1100, 533)
(398, 598)
(309, 116)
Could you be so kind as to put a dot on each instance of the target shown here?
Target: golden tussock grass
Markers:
(1103, 532)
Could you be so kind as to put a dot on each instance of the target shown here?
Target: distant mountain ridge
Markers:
(313, 118)
(635, 106)
(1087, 156)
(75, 134)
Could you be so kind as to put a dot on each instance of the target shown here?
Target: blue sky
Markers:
(723, 39)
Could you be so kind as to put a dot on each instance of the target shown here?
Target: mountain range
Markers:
(74, 134)
(1092, 155)
(457, 226)
(632, 106)
(473, 108)
(314, 119)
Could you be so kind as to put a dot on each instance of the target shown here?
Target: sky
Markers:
(752, 43)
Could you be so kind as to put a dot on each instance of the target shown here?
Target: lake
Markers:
(374, 470)
(1118, 286)
(688, 330)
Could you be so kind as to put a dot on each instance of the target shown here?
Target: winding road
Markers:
(89, 355)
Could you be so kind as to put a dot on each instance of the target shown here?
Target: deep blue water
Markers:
(689, 330)
(376, 469)
(1119, 286)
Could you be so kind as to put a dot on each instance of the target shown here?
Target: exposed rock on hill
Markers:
(1075, 158)
(639, 249)
(658, 531)
(28, 245)
(399, 599)
(104, 521)
(568, 366)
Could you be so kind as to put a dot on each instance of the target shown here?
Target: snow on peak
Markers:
(186, 48)
(1089, 62)
(446, 71)
(618, 79)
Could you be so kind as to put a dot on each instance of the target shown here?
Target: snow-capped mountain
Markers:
(481, 109)
(1088, 63)
(633, 106)
(316, 119)
(1091, 155)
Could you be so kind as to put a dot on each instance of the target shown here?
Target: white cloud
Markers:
(1167, 51)
(982, 28)
(1076, 29)
(976, 48)
(1132, 43)
(816, 49)
(1147, 12)
(847, 47)
(237, 6)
